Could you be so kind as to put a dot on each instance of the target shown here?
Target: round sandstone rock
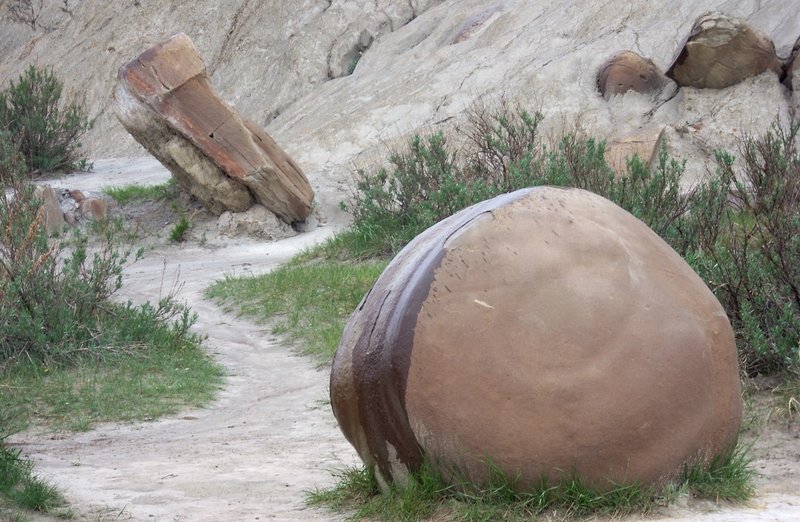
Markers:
(627, 71)
(547, 331)
(721, 51)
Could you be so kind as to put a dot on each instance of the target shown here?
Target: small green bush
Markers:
(504, 152)
(178, 232)
(50, 295)
(47, 135)
(55, 303)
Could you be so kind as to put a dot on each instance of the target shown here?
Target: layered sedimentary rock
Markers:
(721, 51)
(547, 331)
(628, 71)
(164, 99)
(645, 143)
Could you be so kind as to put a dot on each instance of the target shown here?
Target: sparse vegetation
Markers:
(70, 356)
(178, 232)
(46, 132)
(740, 234)
(21, 490)
(749, 248)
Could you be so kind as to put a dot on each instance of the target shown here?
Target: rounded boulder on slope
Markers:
(546, 331)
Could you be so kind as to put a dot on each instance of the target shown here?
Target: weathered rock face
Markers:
(722, 51)
(627, 71)
(427, 60)
(165, 101)
(547, 330)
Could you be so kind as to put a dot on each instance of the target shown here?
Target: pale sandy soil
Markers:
(270, 436)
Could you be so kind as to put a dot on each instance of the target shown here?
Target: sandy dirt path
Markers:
(250, 455)
(270, 436)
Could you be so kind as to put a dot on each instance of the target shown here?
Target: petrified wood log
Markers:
(164, 99)
(548, 331)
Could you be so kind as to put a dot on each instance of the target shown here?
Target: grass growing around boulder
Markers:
(429, 496)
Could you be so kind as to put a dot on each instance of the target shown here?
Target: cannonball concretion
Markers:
(546, 332)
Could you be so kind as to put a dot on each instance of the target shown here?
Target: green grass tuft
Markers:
(20, 489)
(137, 193)
(307, 302)
(178, 233)
(730, 478)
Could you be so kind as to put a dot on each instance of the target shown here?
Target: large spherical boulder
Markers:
(547, 331)
(721, 51)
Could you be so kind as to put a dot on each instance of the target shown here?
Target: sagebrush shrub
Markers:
(55, 295)
(741, 233)
(47, 135)
(749, 251)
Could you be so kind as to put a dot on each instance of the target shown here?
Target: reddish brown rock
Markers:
(548, 331)
(627, 71)
(165, 101)
(77, 195)
(645, 143)
(93, 208)
(721, 51)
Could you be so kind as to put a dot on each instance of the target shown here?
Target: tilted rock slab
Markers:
(721, 51)
(628, 71)
(547, 331)
(164, 99)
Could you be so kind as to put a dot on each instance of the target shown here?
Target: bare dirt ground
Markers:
(270, 436)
